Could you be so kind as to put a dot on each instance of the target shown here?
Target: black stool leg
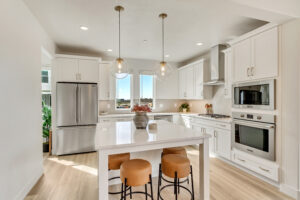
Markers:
(146, 192)
(175, 185)
(130, 192)
(122, 191)
(150, 177)
(159, 182)
(178, 183)
(193, 194)
(125, 188)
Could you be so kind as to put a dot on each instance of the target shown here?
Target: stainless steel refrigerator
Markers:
(76, 117)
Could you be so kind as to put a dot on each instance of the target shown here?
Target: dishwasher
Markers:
(168, 118)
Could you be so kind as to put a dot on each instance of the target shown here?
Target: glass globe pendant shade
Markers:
(163, 71)
(119, 69)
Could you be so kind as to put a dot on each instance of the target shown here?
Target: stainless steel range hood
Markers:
(217, 65)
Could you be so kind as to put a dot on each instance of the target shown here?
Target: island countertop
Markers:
(121, 134)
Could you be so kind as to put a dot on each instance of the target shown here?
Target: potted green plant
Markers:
(46, 126)
(185, 107)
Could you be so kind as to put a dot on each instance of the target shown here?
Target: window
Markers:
(45, 76)
(147, 90)
(123, 93)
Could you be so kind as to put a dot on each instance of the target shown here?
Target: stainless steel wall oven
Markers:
(254, 133)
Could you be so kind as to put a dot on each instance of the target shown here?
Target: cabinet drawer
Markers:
(223, 125)
(265, 169)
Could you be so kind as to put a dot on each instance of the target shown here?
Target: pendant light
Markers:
(164, 69)
(119, 68)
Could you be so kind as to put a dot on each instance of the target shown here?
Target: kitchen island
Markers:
(122, 137)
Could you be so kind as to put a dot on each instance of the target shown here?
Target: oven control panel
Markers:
(267, 118)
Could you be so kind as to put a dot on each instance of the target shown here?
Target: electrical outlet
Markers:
(108, 106)
(175, 105)
(161, 105)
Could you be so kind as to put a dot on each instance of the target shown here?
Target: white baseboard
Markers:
(292, 192)
(36, 175)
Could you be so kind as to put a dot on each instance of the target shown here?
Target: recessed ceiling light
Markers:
(84, 28)
(199, 43)
(145, 41)
(167, 56)
(109, 50)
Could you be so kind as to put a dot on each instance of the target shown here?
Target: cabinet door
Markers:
(198, 80)
(209, 131)
(67, 69)
(265, 50)
(103, 83)
(88, 70)
(190, 82)
(242, 60)
(222, 142)
(182, 84)
(228, 74)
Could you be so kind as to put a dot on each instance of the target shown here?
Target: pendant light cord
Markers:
(163, 39)
(119, 34)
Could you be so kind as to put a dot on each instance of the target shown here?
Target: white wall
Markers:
(290, 65)
(21, 39)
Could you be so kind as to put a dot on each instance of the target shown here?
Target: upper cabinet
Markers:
(191, 81)
(104, 84)
(228, 72)
(256, 57)
(77, 69)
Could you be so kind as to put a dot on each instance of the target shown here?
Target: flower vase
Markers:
(141, 120)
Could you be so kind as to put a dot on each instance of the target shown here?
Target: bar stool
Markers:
(136, 172)
(174, 150)
(114, 163)
(175, 166)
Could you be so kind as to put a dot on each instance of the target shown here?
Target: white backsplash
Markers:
(220, 104)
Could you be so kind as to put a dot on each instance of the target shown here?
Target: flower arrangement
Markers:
(185, 107)
(208, 108)
(142, 108)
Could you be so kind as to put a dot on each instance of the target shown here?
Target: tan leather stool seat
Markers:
(136, 171)
(172, 163)
(115, 161)
(175, 150)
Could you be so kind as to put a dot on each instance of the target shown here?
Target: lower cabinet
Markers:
(220, 140)
(261, 166)
(223, 143)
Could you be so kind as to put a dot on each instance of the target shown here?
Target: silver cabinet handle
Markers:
(266, 170)
(241, 160)
(252, 71)
(248, 70)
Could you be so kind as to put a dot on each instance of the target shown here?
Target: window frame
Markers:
(147, 73)
(131, 93)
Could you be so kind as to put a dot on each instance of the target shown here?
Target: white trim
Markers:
(36, 175)
(252, 33)
(292, 192)
(78, 57)
(192, 63)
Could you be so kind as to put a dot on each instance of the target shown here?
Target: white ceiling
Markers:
(189, 21)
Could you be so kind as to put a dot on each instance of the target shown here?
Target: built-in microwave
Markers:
(254, 134)
(257, 95)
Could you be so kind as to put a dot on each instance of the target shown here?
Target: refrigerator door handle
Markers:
(77, 114)
(79, 105)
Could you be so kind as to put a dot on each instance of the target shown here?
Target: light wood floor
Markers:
(74, 177)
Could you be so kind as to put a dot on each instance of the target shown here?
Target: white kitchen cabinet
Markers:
(88, 70)
(265, 54)
(222, 142)
(67, 69)
(191, 81)
(242, 60)
(256, 57)
(76, 68)
(228, 73)
(104, 81)
(210, 131)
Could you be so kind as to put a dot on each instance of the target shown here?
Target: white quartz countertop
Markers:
(121, 134)
(194, 115)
